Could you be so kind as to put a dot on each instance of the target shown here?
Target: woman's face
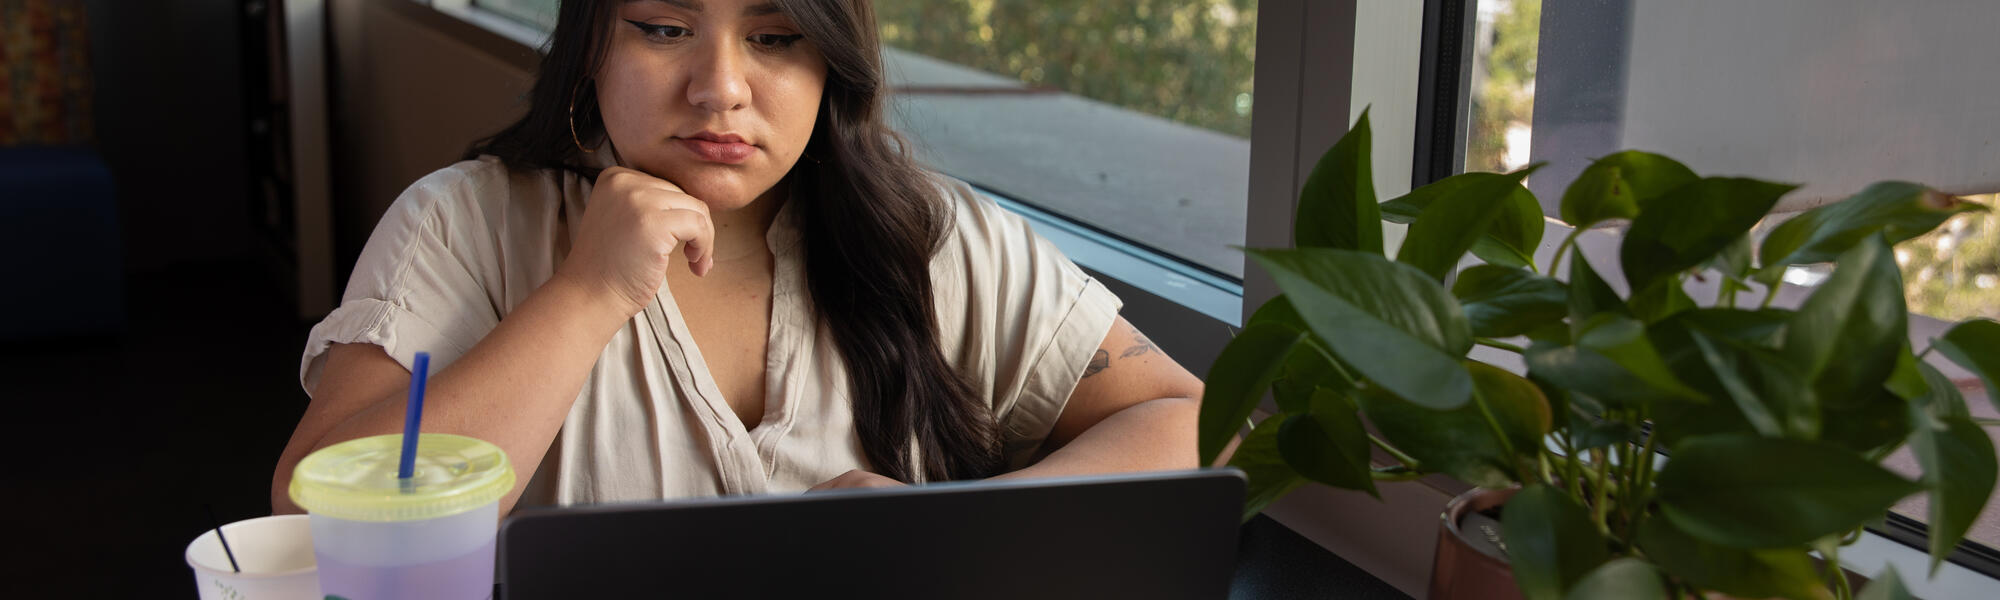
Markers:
(716, 96)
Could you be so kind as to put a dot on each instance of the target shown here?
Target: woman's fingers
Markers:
(690, 226)
(694, 233)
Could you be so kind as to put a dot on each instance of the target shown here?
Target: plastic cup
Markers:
(275, 553)
(380, 538)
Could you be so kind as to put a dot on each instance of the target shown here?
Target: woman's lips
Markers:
(721, 152)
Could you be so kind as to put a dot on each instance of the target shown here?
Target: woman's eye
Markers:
(660, 32)
(774, 41)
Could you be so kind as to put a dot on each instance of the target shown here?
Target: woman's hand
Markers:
(856, 478)
(632, 225)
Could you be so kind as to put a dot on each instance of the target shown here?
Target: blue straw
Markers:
(408, 467)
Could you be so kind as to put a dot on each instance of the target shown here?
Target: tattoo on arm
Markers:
(1098, 362)
(1142, 345)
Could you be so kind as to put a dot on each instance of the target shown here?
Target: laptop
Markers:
(1164, 535)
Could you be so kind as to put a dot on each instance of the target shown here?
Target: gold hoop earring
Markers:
(572, 117)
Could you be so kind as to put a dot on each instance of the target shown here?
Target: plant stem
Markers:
(1493, 343)
(1642, 493)
(1344, 375)
(1571, 467)
(1770, 293)
(1986, 422)
(1400, 456)
(1548, 472)
(1841, 590)
(1500, 433)
(1395, 474)
(1926, 352)
(1562, 250)
(1602, 489)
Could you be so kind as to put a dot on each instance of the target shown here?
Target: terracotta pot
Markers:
(1470, 561)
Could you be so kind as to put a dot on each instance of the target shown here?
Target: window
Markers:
(536, 13)
(1836, 93)
(1130, 116)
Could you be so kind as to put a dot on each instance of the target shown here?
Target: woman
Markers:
(702, 264)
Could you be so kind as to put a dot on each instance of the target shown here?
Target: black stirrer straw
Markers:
(210, 508)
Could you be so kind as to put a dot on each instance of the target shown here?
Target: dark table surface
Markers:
(1274, 562)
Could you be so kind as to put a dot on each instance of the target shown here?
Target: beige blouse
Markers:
(464, 245)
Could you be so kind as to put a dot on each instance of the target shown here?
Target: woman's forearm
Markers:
(1149, 436)
(515, 387)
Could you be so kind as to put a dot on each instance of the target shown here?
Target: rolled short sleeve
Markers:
(420, 283)
(1023, 321)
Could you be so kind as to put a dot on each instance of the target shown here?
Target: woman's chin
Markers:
(721, 191)
(718, 197)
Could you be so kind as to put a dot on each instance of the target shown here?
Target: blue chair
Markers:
(61, 265)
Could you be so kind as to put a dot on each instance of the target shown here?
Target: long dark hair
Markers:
(870, 219)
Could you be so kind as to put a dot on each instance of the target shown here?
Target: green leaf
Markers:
(1614, 187)
(1905, 380)
(1784, 573)
(1394, 325)
(1494, 252)
(1624, 578)
(1877, 423)
(1259, 458)
(1518, 407)
(1673, 339)
(1329, 444)
(1763, 328)
(1293, 396)
(1447, 229)
(1612, 360)
(1886, 586)
(1237, 380)
(1456, 442)
(1665, 298)
(1504, 302)
(1734, 260)
(1278, 310)
(1959, 472)
(1689, 225)
(1337, 207)
(1307, 367)
(1589, 295)
(1942, 399)
(1770, 392)
(1847, 334)
(1551, 543)
(1516, 232)
(1899, 210)
(1747, 491)
(1975, 345)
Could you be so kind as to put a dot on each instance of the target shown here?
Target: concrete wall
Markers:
(412, 88)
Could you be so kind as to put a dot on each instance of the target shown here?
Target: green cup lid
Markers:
(356, 480)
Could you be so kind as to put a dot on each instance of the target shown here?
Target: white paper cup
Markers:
(276, 554)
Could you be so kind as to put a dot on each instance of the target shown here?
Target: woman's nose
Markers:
(717, 83)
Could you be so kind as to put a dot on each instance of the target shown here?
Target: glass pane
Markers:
(1953, 273)
(1132, 116)
(1834, 93)
(539, 13)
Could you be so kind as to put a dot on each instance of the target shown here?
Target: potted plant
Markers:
(1772, 422)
